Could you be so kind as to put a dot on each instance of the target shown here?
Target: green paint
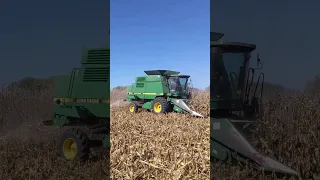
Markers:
(177, 109)
(159, 83)
(147, 105)
(87, 86)
(84, 94)
(219, 152)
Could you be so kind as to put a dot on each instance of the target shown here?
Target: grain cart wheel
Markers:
(133, 107)
(73, 144)
(160, 105)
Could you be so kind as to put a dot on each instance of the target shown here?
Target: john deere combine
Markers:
(81, 102)
(234, 105)
(161, 91)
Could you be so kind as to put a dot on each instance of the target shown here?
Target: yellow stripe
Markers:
(150, 93)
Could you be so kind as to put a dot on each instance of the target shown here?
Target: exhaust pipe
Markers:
(180, 103)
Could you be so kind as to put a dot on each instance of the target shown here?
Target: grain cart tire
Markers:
(133, 107)
(74, 144)
(160, 105)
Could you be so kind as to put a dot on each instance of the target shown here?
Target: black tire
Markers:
(133, 107)
(81, 141)
(165, 106)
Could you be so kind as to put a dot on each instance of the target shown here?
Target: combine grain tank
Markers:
(82, 102)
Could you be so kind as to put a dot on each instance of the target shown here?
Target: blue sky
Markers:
(46, 38)
(148, 35)
(286, 34)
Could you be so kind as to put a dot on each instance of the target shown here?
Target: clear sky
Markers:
(286, 34)
(149, 35)
(45, 38)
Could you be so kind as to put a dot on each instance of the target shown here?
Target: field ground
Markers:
(149, 146)
(145, 146)
(27, 148)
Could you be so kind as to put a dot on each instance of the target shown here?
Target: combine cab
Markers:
(161, 91)
(81, 101)
(234, 105)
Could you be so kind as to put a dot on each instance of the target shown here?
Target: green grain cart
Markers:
(161, 91)
(82, 102)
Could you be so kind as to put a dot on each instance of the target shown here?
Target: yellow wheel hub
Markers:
(131, 108)
(157, 107)
(70, 148)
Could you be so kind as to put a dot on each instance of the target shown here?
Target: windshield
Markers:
(177, 84)
(232, 63)
(183, 82)
(174, 84)
(228, 67)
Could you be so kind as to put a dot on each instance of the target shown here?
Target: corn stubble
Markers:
(28, 149)
(171, 146)
(148, 146)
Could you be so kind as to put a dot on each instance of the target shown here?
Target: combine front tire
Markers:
(133, 107)
(160, 105)
(74, 144)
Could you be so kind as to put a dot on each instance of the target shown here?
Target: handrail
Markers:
(71, 81)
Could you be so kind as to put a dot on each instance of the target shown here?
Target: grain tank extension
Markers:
(82, 102)
(235, 105)
(161, 91)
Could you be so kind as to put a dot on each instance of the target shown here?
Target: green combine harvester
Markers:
(82, 102)
(234, 105)
(161, 91)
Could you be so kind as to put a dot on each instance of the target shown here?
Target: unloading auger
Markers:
(234, 105)
(161, 91)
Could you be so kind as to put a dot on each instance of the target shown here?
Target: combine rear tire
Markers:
(74, 144)
(160, 105)
(133, 107)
